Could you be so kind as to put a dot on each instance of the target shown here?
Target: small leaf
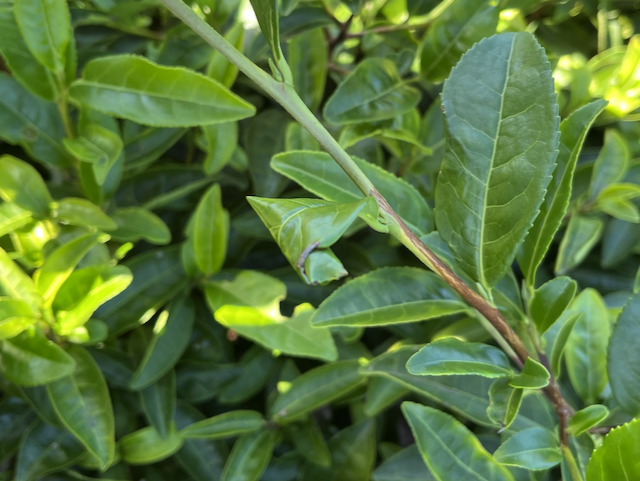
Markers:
(618, 456)
(450, 356)
(505, 402)
(489, 189)
(219, 67)
(83, 404)
(535, 449)
(83, 212)
(299, 138)
(135, 223)
(582, 234)
(145, 446)
(621, 354)
(159, 403)
(15, 317)
(22, 185)
(211, 230)
(12, 218)
(533, 376)
(373, 91)
(220, 141)
(250, 456)
(316, 388)
(621, 209)
(136, 89)
(449, 449)
(30, 359)
(560, 342)
(46, 29)
(171, 335)
(98, 146)
(225, 425)
(550, 300)
(308, 54)
(587, 418)
(611, 164)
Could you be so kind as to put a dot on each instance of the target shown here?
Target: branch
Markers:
(286, 96)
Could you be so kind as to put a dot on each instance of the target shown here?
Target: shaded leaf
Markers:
(159, 403)
(77, 211)
(211, 230)
(582, 234)
(250, 456)
(533, 376)
(135, 223)
(535, 449)
(225, 425)
(308, 54)
(145, 446)
(98, 146)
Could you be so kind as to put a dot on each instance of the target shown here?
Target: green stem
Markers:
(573, 465)
(63, 105)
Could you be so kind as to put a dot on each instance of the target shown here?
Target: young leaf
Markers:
(618, 456)
(369, 300)
(268, 17)
(211, 230)
(487, 200)
(353, 455)
(30, 359)
(621, 354)
(171, 335)
(533, 376)
(560, 342)
(98, 146)
(453, 32)
(159, 403)
(573, 131)
(535, 449)
(373, 91)
(46, 29)
(250, 456)
(308, 54)
(145, 446)
(449, 449)
(136, 89)
(17, 284)
(83, 404)
(405, 465)
(318, 173)
(22, 185)
(316, 388)
(550, 300)
(305, 229)
(611, 164)
(12, 218)
(382, 393)
(309, 441)
(60, 264)
(225, 425)
(220, 141)
(582, 234)
(15, 317)
(587, 418)
(451, 356)
(83, 212)
(219, 67)
(135, 223)
(505, 402)
(586, 349)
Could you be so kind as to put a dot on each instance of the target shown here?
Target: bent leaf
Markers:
(587, 418)
(535, 449)
(145, 446)
(550, 300)
(533, 376)
(22, 185)
(225, 425)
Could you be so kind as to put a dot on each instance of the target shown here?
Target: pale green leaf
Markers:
(220, 141)
(77, 211)
(587, 418)
(15, 317)
(15, 283)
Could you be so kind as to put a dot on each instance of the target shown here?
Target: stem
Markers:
(63, 108)
(286, 96)
(573, 465)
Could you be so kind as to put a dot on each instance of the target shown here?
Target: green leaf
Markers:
(451, 356)
(268, 17)
(18, 58)
(30, 359)
(146, 446)
(46, 29)
(389, 296)
(157, 278)
(611, 164)
(136, 89)
(315, 388)
(489, 189)
(22, 185)
(15, 283)
(32, 123)
(299, 138)
(83, 404)
(211, 230)
(535, 449)
(318, 173)
(373, 91)
(60, 264)
(586, 349)
(220, 141)
(621, 209)
(250, 456)
(550, 300)
(305, 228)
(618, 456)
(255, 369)
(219, 67)
(159, 403)
(37, 458)
(15, 317)
(449, 449)
(573, 132)
(144, 145)
(587, 418)
(505, 402)
(381, 394)
(84, 291)
(83, 212)
(560, 342)
(225, 425)
(171, 335)
(353, 455)
(135, 223)
(582, 234)
(453, 32)
(98, 146)
(621, 365)
(405, 465)
(12, 218)
(309, 441)
(533, 376)
(15, 418)
(308, 54)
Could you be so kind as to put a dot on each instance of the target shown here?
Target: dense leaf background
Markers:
(191, 288)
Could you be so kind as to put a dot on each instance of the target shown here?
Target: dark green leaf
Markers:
(225, 425)
(582, 234)
(308, 54)
(146, 446)
(250, 456)
(382, 393)
(135, 223)
(535, 449)
(405, 465)
(15, 418)
(159, 403)
(611, 164)
(505, 402)
(550, 300)
(560, 342)
(309, 441)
